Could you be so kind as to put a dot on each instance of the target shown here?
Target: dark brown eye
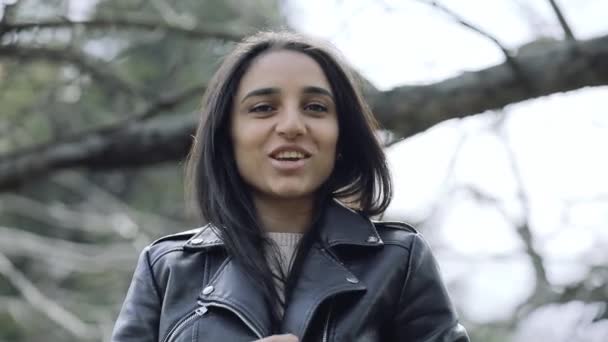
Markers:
(261, 108)
(316, 107)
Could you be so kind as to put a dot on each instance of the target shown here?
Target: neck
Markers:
(285, 215)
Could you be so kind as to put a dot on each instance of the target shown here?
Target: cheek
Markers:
(328, 141)
(243, 154)
(239, 146)
(247, 147)
(331, 138)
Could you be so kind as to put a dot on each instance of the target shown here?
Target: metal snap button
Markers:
(352, 280)
(207, 290)
(196, 241)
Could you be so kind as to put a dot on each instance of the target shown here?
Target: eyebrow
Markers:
(272, 91)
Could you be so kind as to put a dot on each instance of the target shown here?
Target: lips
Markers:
(289, 159)
(289, 153)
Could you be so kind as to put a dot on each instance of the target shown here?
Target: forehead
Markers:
(283, 69)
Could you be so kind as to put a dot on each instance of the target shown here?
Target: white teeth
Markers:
(290, 155)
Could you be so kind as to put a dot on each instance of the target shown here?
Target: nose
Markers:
(291, 124)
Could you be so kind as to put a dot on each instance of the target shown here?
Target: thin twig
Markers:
(523, 228)
(510, 60)
(543, 291)
(562, 20)
(456, 17)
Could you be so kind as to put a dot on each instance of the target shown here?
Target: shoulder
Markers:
(396, 233)
(170, 243)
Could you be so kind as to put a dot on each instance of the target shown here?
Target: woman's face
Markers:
(284, 126)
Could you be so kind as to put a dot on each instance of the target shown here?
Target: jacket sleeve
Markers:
(425, 312)
(139, 317)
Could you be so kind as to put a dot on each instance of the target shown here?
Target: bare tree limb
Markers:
(55, 312)
(405, 110)
(129, 146)
(562, 20)
(94, 143)
(125, 23)
(556, 68)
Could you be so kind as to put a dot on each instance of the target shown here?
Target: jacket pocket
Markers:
(184, 323)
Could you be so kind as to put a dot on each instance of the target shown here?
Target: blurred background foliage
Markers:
(93, 223)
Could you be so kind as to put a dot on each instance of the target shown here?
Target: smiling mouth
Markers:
(290, 156)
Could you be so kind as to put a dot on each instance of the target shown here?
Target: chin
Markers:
(293, 192)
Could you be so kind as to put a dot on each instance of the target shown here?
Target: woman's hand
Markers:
(279, 338)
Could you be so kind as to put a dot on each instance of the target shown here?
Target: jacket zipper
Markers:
(326, 328)
(236, 312)
(199, 312)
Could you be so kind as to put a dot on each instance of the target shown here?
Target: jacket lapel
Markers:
(231, 289)
(322, 275)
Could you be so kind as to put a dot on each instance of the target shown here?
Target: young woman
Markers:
(287, 171)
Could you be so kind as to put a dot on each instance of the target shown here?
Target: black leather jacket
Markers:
(365, 281)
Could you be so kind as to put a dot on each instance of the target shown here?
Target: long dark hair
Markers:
(360, 178)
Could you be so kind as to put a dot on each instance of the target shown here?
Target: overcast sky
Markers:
(559, 141)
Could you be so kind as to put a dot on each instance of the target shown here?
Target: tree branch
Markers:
(562, 20)
(405, 110)
(559, 67)
(125, 23)
(517, 70)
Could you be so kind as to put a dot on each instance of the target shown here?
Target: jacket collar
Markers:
(322, 275)
(339, 225)
(206, 237)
